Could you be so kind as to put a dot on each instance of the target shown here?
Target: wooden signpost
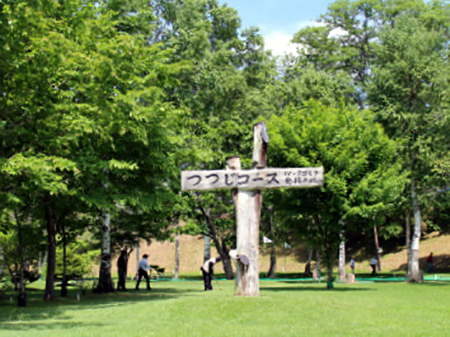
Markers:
(247, 186)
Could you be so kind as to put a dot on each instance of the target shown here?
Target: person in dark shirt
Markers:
(208, 272)
(122, 264)
(430, 263)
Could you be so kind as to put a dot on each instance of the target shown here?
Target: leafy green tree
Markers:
(409, 92)
(219, 94)
(361, 178)
(83, 116)
(349, 31)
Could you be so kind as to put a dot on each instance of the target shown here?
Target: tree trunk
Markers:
(273, 255)
(22, 298)
(207, 248)
(137, 259)
(220, 246)
(408, 240)
(415, 270)
(226, 260)
(330, 261)
(40, 260)
(105, 284)
(64, 278)
(177, 251)
(342, 277)
(377, 247)
(49, 294)
(1, 263)
(318, 266)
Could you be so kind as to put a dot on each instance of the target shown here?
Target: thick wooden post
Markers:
(248, 214)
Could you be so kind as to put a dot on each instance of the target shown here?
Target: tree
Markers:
(83, 108)
(409, 92)
(219, 93)
(360, 175)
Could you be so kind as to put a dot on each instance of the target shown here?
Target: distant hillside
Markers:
(191, 256)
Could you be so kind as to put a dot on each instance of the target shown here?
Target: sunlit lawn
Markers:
(283, 309)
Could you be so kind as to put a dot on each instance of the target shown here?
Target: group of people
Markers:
(143, 266)
(374, 262)
(207, 271)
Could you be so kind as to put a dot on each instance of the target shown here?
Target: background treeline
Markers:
(102, 104)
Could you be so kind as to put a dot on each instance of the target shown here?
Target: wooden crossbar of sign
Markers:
(262, 179)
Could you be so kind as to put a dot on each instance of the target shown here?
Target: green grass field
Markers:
(287, 308)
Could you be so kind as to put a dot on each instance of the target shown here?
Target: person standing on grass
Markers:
(208, 272)
(142, 272)
(373, 264)
(430, 263)
(352, 265)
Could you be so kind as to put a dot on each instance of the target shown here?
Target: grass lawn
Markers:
(287, 308)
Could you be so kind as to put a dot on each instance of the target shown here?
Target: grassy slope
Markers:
(191, 255)
(283, 309)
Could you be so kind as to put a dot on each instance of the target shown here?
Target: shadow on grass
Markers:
(53, 315)
(308, 286)
(324, 288)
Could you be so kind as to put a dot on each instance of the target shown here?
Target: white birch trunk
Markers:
(408, 241)
(415, 270)
(105, 284)
(206, 248)
(342, 277)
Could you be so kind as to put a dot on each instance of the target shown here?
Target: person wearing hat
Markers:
(208, 272)
(142, 272)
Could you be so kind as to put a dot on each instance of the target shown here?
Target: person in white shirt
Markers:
(208, 272)
(373, 264)
(142, 272)
(352, 265)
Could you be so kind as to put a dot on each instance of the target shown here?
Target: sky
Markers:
(278, 20)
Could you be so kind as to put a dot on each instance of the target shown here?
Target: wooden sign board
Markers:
(262, 179)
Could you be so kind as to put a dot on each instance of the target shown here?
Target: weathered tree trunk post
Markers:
(342, 277)
(415, 270)
(105, 284)
(248, 214)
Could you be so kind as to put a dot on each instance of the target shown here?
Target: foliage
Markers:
(79, 259)
(361, 177)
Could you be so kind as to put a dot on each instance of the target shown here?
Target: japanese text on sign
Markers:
(252, 179)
